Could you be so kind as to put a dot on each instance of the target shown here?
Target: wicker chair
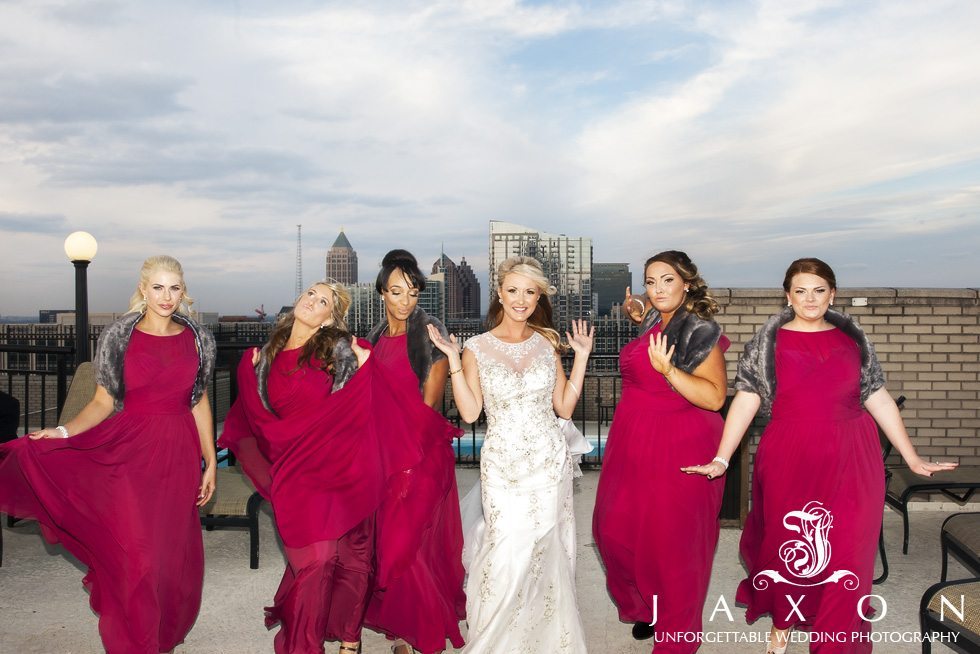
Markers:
(958, 616)
(235, 503)
(960, 536)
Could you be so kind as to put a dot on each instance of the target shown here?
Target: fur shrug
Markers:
(757, 365)
(110, 355)
(422, 352)
(692, 336)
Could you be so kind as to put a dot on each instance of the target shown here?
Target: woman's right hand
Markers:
(448, 347)
(633, 306)
(256, 353)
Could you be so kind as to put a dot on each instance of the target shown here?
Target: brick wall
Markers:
(928, 341)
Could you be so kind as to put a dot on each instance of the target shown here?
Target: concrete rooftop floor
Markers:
(45, 610)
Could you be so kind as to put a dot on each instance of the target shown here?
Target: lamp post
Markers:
(81, 248)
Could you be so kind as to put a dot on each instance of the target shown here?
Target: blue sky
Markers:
(746, 133)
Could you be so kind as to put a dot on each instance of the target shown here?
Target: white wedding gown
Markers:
(520, 589)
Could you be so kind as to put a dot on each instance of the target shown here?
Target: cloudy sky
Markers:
(746, 133)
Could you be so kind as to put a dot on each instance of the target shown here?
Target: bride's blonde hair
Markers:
(541, 319)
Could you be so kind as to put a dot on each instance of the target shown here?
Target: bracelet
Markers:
(723, 461)
(453, 372)
(62, 430)
(669, 372)
(574, 388)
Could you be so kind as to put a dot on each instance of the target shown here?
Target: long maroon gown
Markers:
(327, 463)
(424, 604)
(121, 498)
(656, 527)
(817, 495)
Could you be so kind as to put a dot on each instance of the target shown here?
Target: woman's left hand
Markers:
(660, 355)
(361, 354)
(926, 468)
(208, 482)
(581, 337)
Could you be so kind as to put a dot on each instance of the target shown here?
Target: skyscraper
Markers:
(452, 285)
(342, 260)
(609, 282)
(470, 287)
(566, 260)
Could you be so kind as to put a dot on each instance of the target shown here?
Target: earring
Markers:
(144, 298)
(686, 290)
(789, 304)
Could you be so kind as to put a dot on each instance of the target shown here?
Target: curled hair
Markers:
(541, 319)
(404, 261)
(812, 266)
(159, 262)
(319, 347)
(698, 300)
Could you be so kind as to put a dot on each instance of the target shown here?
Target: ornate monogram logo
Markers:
(808, 556)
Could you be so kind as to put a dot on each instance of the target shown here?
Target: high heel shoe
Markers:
(775, 636)
(642, 630)
(401, 643)
(348, 648)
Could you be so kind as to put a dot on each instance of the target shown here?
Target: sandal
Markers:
(348, 648)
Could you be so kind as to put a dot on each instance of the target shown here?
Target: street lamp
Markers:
(81, 248)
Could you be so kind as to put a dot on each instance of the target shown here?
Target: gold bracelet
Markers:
(669, 371)
(453, 372)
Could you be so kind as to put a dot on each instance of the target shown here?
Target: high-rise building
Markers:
(453, 288)
(566, 260)
(432, 299)
(366, 308)
(342, 260)
(470, 287)
(609, 282)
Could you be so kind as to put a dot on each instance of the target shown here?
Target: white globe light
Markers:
(81, 246)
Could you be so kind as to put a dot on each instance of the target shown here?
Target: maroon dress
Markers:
(424, 604)
(817, 494)
(656, 527)
(327, 462)
(121, 497)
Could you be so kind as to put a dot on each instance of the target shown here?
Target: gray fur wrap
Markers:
(343, 366)
(422, 352)
(757, 365)
(110, 356)
(692, 336)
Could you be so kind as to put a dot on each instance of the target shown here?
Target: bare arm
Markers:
(567, 392)
(466, 383)
(435, 383)
(883, 409)
(705, 387)
(98, 409)
(205, 432)
(740, 414)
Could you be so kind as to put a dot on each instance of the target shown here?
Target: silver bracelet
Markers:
(723, 461)
(62, 430)
(574, 388)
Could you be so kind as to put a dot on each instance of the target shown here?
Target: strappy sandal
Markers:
(348, 648)
(771, 648)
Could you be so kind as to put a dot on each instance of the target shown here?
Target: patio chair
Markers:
(960, 536)
(235, 503)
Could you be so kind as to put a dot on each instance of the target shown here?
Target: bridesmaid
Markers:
(818, 486)
(120, 490)
(325, 445)
(423, 605)
(655, 528)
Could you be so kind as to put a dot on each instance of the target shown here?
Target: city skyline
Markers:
(746, 133)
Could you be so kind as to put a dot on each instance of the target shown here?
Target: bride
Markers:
(521, 585)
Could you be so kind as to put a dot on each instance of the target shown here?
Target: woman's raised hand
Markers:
(449, 347)
(660, 355)
(926, 468)
(709, 470)
(581, 337)
(633, 306)
(361, 353)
